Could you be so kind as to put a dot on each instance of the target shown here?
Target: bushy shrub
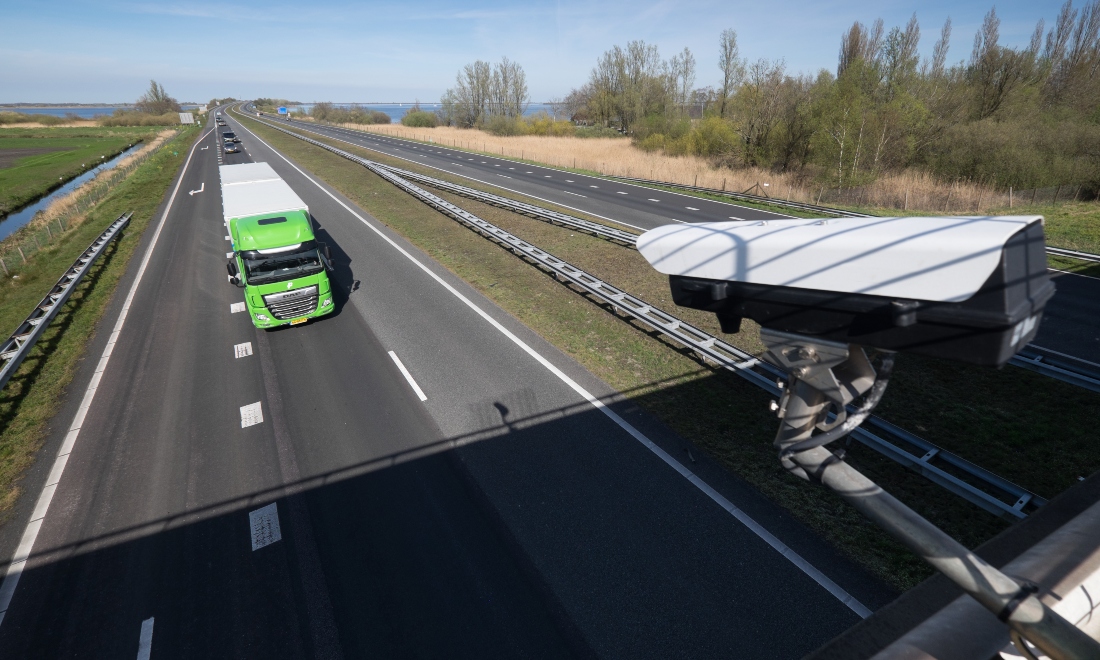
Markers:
(124, 118)
(420, 119)
(45, 120)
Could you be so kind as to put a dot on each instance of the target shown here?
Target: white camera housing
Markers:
(965, 288)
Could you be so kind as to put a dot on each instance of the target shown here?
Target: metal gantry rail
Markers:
(957, 475)
(20, 343)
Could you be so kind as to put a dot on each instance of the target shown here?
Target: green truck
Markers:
(277, 260)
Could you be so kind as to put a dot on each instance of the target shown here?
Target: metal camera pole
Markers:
(824, 377)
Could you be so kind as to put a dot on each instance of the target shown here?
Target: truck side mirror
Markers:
(232, 268)
(328, 253)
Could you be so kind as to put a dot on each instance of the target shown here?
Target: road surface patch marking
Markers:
(30, 532)
(408, 377)
(745, 519)
(264, 524)
(251, 415)
(145, 640)
(242, 350)
(236, 307)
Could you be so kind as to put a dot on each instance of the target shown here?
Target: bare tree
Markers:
(156, 101)
(732, 66)
(483, 90)
(682, 67)
(860, 44)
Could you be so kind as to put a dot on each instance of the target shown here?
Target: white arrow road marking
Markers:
(251, 415)
(201, 188)
(265, 526)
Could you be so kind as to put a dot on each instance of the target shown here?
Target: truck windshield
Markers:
(266, 268)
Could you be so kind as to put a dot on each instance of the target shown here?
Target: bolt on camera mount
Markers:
(826, 376)
(969, 289)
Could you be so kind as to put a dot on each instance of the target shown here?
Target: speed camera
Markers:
(964, 288)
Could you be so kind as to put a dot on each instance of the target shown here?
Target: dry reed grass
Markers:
(84, 123)
(909, 191)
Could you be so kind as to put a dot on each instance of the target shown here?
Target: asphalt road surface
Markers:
(237, 493)
(1071, 323)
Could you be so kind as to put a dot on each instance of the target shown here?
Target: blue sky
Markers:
(105, 51)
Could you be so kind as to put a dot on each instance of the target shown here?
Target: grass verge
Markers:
(33, 395)
(1027, 428)
(53, 156)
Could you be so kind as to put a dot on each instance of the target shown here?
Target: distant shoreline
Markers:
(66, 105)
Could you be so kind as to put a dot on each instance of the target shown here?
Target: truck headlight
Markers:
(262, 317)
(328, 301)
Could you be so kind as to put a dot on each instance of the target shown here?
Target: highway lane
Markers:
(1069, 326)
(504, 516)
(632, 205)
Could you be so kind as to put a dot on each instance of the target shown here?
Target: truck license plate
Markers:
(298, 321)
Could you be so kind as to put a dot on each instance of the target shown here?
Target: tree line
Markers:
(1022, 117)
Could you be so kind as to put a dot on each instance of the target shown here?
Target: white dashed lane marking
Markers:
(691, 208)
(251, 415)
(236, 307)
(654, 200)
(408, 377)
(228, 255)
(242, 350)
(264, 524)
(145, 640)
(621, 192)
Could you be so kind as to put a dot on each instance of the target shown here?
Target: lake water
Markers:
(85, 112)
(398, 110)
(15, 220)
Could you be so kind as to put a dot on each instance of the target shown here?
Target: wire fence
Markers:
(51, 224)
(950, 199)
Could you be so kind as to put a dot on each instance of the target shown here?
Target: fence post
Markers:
(48, 232)
(789, 187)
(696, 181)
(978, 208)
(1056, 191)
(905, 207)
(4, 266)
(819, 194)
(1010, 197)
(37, 245)
(723, 184)
(23, 256)
(1034, 193)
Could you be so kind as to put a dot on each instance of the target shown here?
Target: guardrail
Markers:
(20, 343)
(1074, 254)
(1067, 368)
(957, 475)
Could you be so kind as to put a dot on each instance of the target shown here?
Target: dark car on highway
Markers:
(232, 148)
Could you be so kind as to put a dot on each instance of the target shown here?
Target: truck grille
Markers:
(292, 304)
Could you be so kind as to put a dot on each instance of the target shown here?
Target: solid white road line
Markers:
(30, 533)
(408, 377)
(806, 567)
(236, 307)
(251, 415)
(145, 640)
(264, 524)
(242, 350)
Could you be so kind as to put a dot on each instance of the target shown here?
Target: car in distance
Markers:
(232, 148)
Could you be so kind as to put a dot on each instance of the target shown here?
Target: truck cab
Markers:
(277, 259)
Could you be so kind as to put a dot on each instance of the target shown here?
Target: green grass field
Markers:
(34, 161)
